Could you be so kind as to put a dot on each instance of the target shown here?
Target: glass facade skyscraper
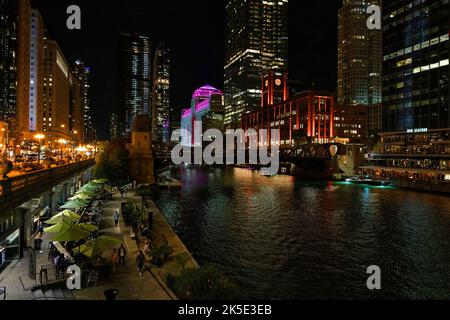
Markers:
(416, 65)
(8, 58)
(161, 94)
(360, 61)
(256, 41)
(134, 78)
(416, 117)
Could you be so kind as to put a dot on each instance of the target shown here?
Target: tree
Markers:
(113, 163)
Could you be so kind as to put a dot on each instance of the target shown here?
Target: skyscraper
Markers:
(160, 95)
(256, 41)
(416, 114)
(8, 58)
(57, 91)
(134, 78)
(416, 56)
(34, 123)
(360, 61)
(23, 69)
(79, 109)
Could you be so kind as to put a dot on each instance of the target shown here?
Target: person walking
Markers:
(147, 247)
(134, 236)
(140, 260)
(60, 265)
(121, 192)
(116, 218)
(114, 259)
(122, 255)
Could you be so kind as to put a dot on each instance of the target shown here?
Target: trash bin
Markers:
(111, 294)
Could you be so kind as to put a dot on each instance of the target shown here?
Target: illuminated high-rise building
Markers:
(360, 61)
(79, 109)
(57, 93)
(8, 58)
(134, 78)
(34, 123)
(256, 42)
(416, 114)
(416, 55)
(161, 95)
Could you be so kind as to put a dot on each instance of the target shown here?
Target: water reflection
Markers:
(285, 239)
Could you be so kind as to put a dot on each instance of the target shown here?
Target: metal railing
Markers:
(3, 292)
(29, 182)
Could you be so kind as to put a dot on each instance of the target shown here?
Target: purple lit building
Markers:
(207, 107)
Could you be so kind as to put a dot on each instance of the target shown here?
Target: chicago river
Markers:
(282, 238)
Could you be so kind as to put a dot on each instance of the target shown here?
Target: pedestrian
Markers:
(116, 218)
(122, 255)
(134, 236)
(60, 265)
(38, 242)
(121, 192)
(142, 227)
(140, 260)
(147, 247)
(114, 259)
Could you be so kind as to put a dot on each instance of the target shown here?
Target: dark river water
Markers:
(282, 238)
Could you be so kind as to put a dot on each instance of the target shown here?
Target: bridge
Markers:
(17, 190)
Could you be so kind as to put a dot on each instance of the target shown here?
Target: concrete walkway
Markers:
(126, 279)
(18, 284)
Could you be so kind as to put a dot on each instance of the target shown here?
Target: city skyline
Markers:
(192, 65)
(310, 155)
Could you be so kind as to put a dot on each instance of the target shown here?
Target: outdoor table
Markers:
(63, 250)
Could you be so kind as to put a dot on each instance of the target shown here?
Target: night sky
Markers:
(194, 32)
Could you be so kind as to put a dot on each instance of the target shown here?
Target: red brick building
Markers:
(307, 116)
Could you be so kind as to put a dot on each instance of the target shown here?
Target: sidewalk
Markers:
(18, 285)
(126, 279)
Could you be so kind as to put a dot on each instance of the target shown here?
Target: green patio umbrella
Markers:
(73, 233)
(86, 192)
(81, 196)
(96, 246)
(75, 204)
(59, 227)
(65, 216)
(88, 227)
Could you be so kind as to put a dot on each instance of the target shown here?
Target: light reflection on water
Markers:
(285, 239)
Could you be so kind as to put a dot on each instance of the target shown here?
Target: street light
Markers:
(62, 142)
(39, 137)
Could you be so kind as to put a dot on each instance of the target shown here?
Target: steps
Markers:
(52, 294)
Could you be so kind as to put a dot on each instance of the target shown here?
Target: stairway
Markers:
(52, 294)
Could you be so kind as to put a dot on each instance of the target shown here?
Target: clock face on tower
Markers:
(278, 82)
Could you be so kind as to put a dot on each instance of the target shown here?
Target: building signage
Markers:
(420, 130)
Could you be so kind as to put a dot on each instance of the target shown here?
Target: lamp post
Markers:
(39, 137)
(62, 143)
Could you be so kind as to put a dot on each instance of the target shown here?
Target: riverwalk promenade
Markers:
(127, 280)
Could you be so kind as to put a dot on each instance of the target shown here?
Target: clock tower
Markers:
(274, 88)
